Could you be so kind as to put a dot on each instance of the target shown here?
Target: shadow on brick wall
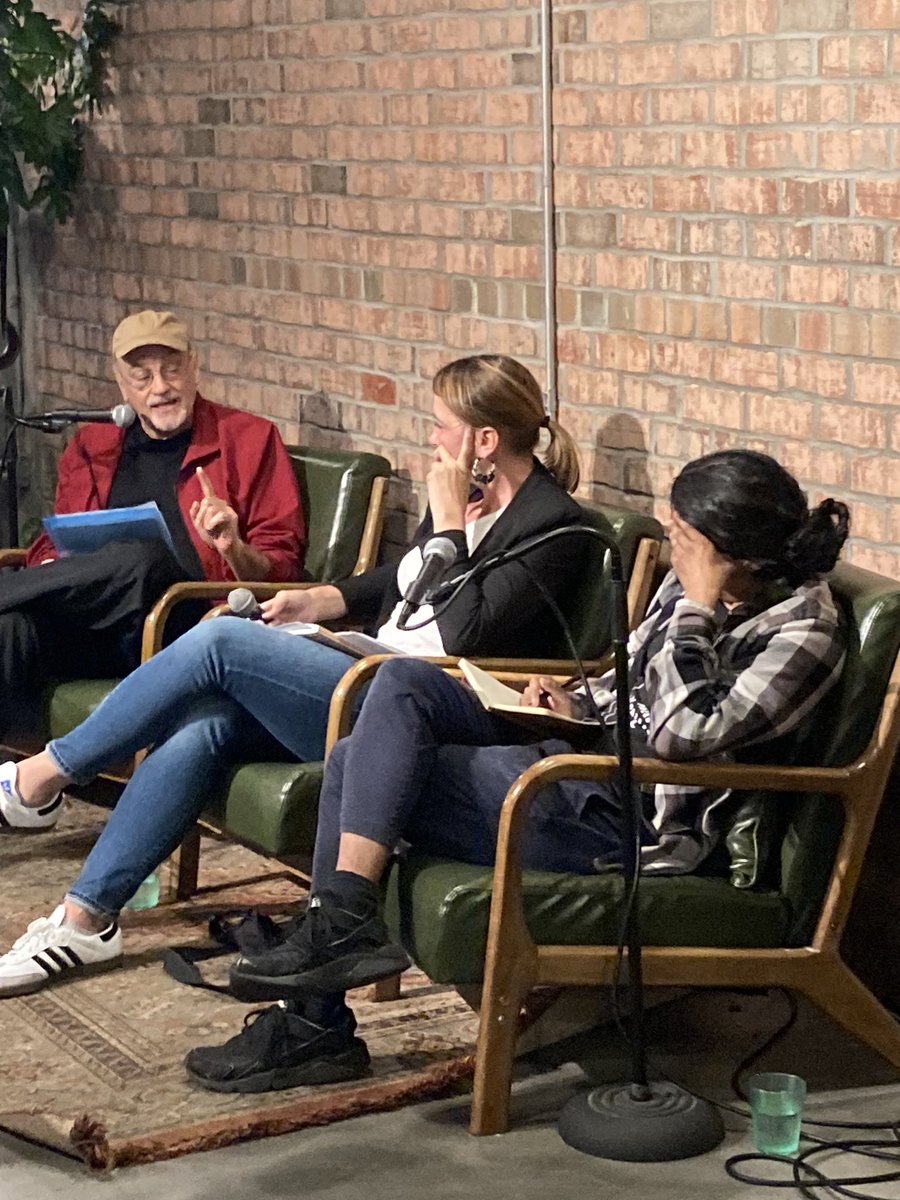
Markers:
(617, 471)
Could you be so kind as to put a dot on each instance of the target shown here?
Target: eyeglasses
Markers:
(142, 380)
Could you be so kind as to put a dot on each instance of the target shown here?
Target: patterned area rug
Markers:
(93, 1067)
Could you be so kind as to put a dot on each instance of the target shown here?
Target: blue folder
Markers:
(82, 532)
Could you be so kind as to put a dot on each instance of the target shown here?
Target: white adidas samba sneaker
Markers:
(48, 950)
(14, 814)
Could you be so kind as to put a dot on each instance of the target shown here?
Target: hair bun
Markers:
(816, 546)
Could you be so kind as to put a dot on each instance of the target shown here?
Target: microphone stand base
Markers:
(609, 1122)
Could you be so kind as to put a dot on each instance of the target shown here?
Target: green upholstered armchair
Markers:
(516, 930)
(343, 499)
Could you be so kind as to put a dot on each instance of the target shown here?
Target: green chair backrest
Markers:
(592, 609)
(335, 487)
(843, 727)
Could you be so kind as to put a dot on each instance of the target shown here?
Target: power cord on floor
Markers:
(807, 1178)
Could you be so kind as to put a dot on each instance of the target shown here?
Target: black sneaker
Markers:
(278, 1049)
(331, 950)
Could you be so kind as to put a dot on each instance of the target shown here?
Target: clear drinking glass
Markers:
(147, 895)
(776, 1104)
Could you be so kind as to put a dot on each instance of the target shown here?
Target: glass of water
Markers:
(776, 1104)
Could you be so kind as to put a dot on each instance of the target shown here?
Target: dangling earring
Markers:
(483, 476)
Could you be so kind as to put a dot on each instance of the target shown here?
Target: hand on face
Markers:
(215, 521)
(702, 570)
(449, 479)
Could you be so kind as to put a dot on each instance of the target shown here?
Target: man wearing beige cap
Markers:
(222, 480)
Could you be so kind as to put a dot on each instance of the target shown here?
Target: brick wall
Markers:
(342, 194)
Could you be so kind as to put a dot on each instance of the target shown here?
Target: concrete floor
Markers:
(425, 1150)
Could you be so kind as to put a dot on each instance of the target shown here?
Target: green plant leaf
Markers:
(50, 82)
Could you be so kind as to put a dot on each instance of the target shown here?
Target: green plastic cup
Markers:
(776, 1104)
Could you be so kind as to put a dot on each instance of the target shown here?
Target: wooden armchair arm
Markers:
(13, 556)
(508, 670)
(507, 912)
(155, 623)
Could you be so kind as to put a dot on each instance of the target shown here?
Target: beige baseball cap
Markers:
(149, 328)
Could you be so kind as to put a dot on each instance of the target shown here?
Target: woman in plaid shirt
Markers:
(739, 646)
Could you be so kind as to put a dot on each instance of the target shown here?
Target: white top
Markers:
(426, 642)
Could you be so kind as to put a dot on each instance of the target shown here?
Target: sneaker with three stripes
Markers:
(49, 950)
(15, 813)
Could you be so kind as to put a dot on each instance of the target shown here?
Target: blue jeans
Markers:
(225, 691)
(427, 763)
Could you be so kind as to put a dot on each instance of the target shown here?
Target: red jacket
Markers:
(246, 462)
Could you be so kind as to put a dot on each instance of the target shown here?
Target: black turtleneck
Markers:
(148, 469)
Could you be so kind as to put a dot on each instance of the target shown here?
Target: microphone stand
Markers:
(637, 1121)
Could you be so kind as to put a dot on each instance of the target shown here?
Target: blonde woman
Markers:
(228, 689)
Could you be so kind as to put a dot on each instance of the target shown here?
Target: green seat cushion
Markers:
(439, 909)
(68, 704)
(273, 805)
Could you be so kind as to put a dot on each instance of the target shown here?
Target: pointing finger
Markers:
(208, 490)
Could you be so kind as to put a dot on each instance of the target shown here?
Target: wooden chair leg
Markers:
(179, 871)
(835, 990)
(387, 989)
(506, 988)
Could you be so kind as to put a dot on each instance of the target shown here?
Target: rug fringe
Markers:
(90, 1137)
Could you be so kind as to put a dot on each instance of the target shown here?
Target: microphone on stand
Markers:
(243, 603)
(55, 421)
(437, 555)
(637, 1121)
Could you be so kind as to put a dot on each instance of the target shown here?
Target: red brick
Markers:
(681, 106)
(629, 271)
(876, 383)
(743, 280)
(876, 475)
(746, 324)
(885, 336)
(819, 376)
(851, 425)
(689, 359)
(618, 23)
(743, 16)
(745, 367)
(878, 103)
(647, 233)
(852, 149)
(778, 414)
(878, 198)
(776, 149)
(710, 60)
(685, 193)
(623, 353)
(656, 63)
(853, 56)
(745, 104)
(746, 194)
(815, 285)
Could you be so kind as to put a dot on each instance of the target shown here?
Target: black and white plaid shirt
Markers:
(717, 682)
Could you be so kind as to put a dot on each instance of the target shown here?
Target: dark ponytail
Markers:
(753, 510)
(815, 547)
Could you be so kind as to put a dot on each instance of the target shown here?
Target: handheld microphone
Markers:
(437, 555)
(243, 603)
(122, 415)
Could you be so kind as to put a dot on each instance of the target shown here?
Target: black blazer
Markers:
(501, 613)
